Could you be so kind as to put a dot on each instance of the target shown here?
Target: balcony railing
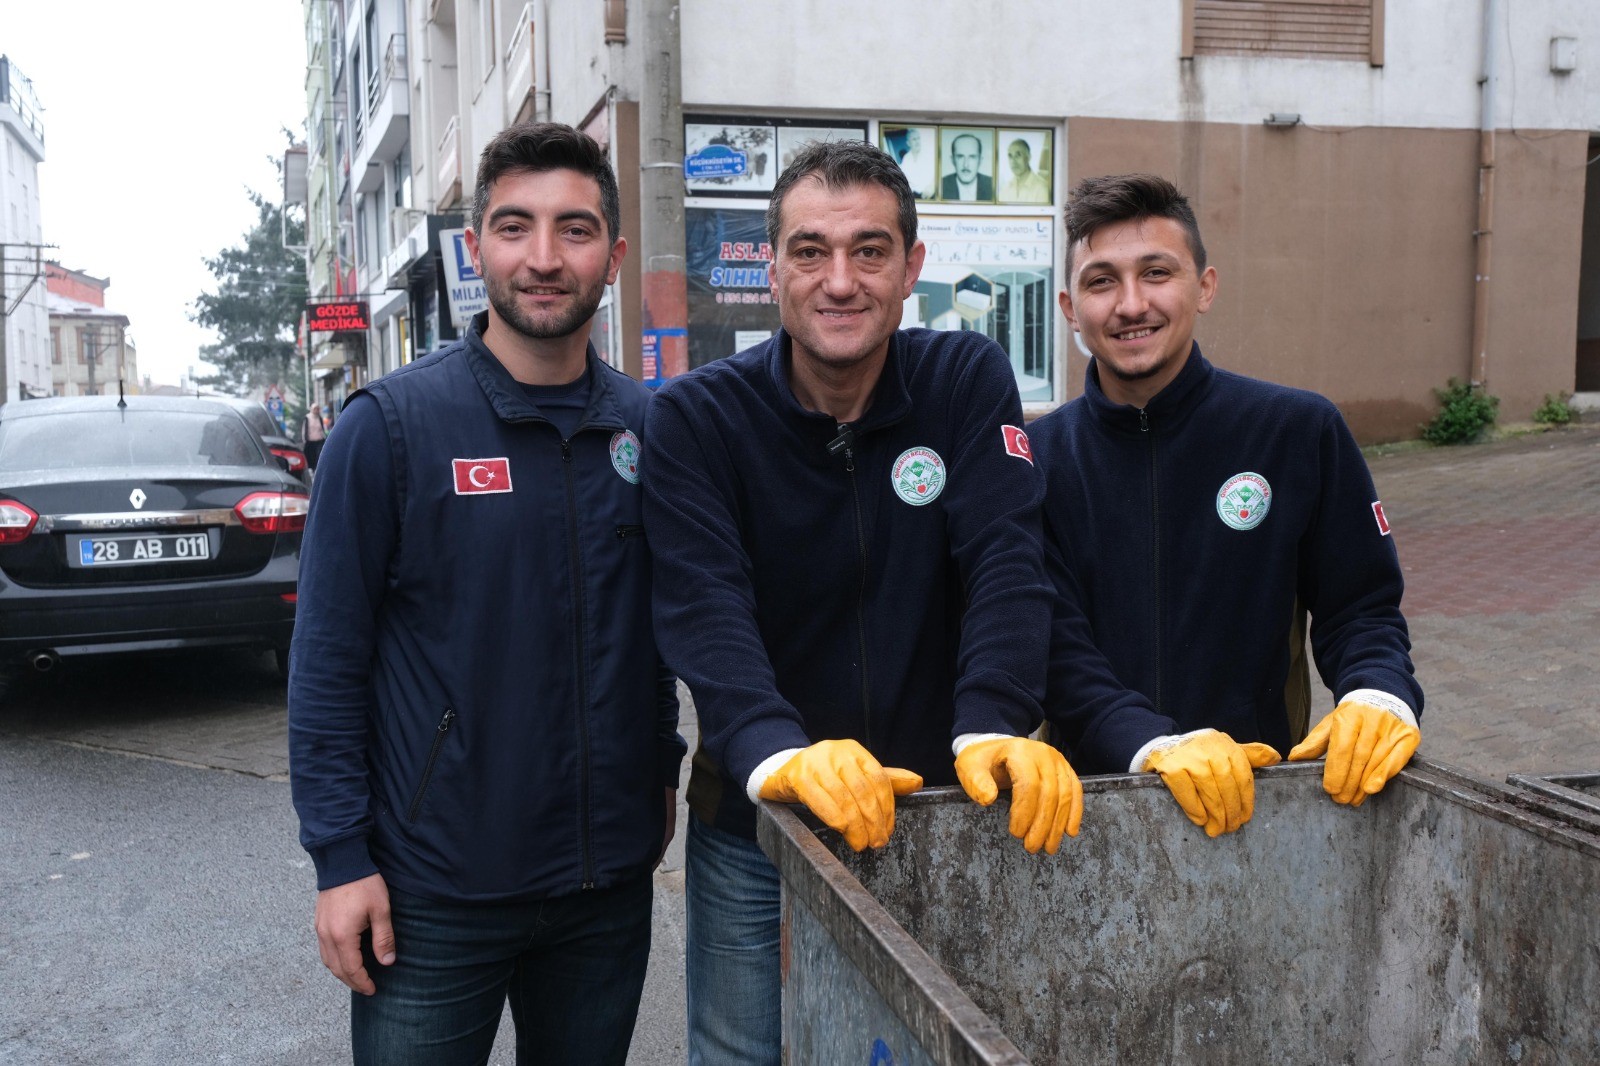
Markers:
(520, 86)
(450, 161)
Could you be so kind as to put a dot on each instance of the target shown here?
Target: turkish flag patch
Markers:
(1383, 521)
(482, 475)
(1017, 443)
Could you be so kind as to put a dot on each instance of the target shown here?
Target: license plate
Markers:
(133, 551)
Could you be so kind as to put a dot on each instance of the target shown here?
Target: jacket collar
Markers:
(891, 398)
(1166, 407)
(505, 395)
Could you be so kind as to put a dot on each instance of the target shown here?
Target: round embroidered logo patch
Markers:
(1243, 500)
(625, 455)
(918, 476)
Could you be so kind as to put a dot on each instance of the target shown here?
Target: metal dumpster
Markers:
(1580, 791)
(1447, 920)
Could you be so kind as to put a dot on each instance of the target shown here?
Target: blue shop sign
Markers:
(715, 161)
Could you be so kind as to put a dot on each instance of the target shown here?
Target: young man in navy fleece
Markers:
(483, 742)
(1200, 516)
(849, 576)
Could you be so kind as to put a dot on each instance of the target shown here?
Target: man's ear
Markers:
(914, 261)
(1208, 290)
(618, 250)
(1065, 300)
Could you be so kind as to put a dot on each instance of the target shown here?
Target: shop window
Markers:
(1305, 29)
(986, 215)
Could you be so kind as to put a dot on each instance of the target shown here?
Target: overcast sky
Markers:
(158, 119)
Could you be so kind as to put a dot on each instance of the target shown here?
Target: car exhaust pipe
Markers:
(43, 661)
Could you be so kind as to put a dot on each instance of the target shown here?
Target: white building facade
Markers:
(26, 370)
(1393, 194)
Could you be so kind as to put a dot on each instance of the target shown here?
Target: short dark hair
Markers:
(542, 146)
(1096, 202)
(843, 165)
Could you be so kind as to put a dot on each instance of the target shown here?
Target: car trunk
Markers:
(103, 528)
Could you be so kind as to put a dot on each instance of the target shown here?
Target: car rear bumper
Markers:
(66, 623)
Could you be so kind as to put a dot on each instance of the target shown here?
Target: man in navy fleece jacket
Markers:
(1200, 516)
(844, 522)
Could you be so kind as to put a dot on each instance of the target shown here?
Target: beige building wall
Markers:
(1345, 256)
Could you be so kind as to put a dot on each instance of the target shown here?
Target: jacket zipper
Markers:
(861, 601)
(573, 565)
(624, 532)
(427, 769)
(1155, 549)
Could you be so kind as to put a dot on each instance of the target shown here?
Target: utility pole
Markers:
(664, 289)
(8, 306)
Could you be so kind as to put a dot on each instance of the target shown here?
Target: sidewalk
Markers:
(1500, 544)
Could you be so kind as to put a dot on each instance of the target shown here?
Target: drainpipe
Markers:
(1478, 372)
(665, 318)
(541, 61)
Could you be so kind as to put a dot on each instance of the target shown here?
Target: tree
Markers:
(255, 309)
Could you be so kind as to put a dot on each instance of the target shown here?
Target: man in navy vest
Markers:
(483, 740)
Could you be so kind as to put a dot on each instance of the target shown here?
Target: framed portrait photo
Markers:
(916, 149)
(1026, 166)
(966, 164)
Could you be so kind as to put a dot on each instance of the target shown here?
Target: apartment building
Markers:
(25, 369)
(1392, 194)
(90, 353)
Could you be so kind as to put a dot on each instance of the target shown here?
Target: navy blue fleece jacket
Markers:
(890, 589)
(1197, 533)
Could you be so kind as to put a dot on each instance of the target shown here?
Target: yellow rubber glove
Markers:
(1365, 745)
(1210, 775)
(846, 787)
(1046, 796)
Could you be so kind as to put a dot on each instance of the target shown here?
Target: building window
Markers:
(1301, 29)
(55, 344)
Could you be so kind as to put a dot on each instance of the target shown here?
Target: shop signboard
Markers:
(464, 288)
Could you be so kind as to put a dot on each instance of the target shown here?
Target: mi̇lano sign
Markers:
(336, 316)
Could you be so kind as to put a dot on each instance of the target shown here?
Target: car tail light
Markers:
(16, 522)
(273, 512)
(294, 458)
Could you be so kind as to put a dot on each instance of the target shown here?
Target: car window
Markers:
(260, 420)
(126, 438)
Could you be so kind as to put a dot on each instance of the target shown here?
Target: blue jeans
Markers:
(572, 967)
(731, 932)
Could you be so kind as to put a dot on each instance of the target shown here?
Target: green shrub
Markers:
(1554, 411)
(1465, 411)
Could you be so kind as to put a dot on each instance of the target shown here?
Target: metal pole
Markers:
(661, 190)
(1482, 291)
(5, 327)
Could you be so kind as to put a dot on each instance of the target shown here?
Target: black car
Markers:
(290, 455)
(152, 524)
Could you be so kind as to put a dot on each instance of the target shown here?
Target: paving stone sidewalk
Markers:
(1500, 544)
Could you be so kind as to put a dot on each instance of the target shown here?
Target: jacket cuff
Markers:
(669, 764)
(766, 768)
(341, 862)
(1373, 697)
(759, 741)
(966, 740)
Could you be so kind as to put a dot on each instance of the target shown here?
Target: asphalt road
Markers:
(155, 905)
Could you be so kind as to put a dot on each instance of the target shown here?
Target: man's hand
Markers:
(672, 825)
(1210, 775)
(346, 911)
(1366, 744)
(1046, 796)
(846, 787)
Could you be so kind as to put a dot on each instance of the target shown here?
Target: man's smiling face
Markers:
(841, 271)
(1134, 293)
